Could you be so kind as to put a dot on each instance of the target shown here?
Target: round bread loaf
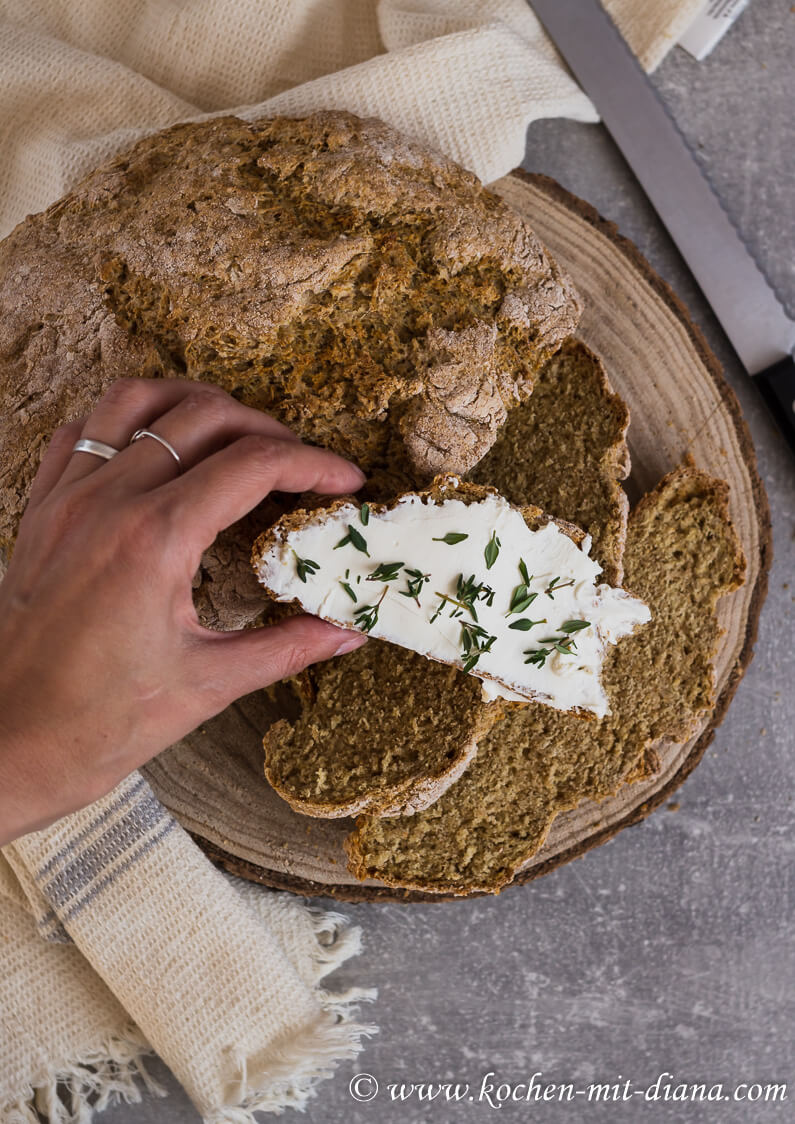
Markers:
(360, 287)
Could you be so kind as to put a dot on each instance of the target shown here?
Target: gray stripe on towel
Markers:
(102, 884)
(118, 803)
(92, 862)
(51, 929)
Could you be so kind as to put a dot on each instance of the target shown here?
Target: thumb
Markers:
(248, 659)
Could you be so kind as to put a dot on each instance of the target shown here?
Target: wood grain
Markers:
(659, 362)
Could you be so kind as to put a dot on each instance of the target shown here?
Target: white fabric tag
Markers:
(710, 25)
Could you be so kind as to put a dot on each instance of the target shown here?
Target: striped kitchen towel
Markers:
(119, 938)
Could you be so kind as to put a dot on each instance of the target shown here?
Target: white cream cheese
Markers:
(438, 620)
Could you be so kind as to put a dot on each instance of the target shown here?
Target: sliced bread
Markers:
(386, 729)
(565, 449)
(356, 686)
(682, 554)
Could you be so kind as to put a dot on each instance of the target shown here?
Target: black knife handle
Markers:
(777, 386)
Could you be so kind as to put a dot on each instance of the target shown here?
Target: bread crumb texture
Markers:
(360, 287)
(565, 449)
(682, 554)
(375, 765)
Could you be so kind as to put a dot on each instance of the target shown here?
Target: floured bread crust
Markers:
(362, 288)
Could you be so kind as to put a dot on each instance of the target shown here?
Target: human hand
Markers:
(104, 661)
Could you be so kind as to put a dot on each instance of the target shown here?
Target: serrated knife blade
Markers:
(749, 311)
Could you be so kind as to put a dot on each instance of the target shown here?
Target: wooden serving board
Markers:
(658, 361)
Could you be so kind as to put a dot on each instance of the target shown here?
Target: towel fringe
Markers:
(70, 1093)
(292, 1070)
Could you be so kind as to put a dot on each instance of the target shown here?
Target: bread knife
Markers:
(749, 311)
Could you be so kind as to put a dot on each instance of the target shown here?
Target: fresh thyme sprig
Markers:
(305, 566)
(385, 572)
(366, 616)
(468, 591)
(475, 642)
(537, 656)
(451, 538)
(553, 587)
(492, 550)
(414, 583)
(563, 644)
(355, 539)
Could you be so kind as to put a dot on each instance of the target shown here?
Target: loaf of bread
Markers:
(362, 288)
(682, 554)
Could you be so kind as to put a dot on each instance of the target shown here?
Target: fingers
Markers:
(231, 664)
(225, 486)
(139, 403)
(204, 420)
(125, 406)
(55, 459)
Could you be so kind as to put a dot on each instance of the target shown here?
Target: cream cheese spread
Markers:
(466, 583)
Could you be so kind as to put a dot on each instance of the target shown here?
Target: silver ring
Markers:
(98, 448)
(166, 444)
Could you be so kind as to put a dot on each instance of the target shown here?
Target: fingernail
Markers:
(350, 643)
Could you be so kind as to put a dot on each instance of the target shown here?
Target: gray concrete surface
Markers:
(670, 948)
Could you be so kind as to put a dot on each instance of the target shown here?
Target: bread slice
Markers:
(386, 731)
(682, 554)
(504, 592)
(565, 448)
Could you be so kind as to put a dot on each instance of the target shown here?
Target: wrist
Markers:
(25, 805)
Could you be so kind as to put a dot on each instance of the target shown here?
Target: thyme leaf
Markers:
(555, 585)
(492, 550)
(355, 539)
(414, 583)
(364, 514)
(385, 572)
(468, 591)
(349, 591)
(525, 624)
(521, 599)
(475, 642)
(523, 572)
(574, 626)
(366, 616)
(451, 538)
(305, 566)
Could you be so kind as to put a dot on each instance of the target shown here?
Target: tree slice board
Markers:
(658, 361)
